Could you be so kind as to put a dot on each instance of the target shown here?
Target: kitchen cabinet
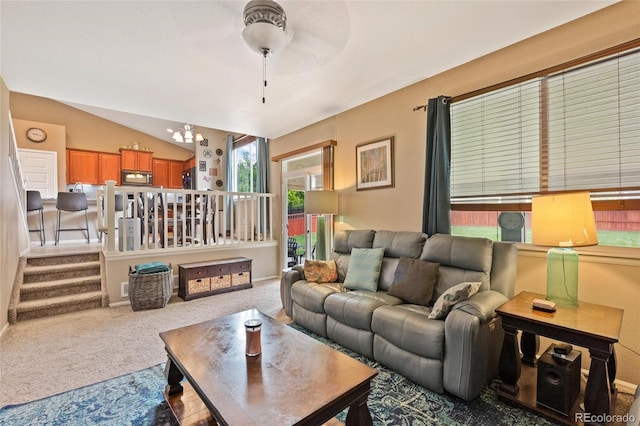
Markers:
(82, 166)
(108, 168)
(189, 164)
(175, 174)
(139, 161)
(167, 173)
(160, 170)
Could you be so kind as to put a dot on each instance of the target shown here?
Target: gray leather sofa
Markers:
(459, 354)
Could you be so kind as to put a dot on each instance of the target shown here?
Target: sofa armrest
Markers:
(482, 305)
(473, 340)
(288, 277)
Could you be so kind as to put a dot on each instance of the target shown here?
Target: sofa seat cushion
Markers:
(408, 327)
(311, 296)
(355, 308)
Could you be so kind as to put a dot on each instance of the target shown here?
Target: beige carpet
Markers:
(42, 357)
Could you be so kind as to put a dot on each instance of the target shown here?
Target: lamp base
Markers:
(562, 276)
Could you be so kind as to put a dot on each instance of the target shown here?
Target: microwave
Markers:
(136, 178)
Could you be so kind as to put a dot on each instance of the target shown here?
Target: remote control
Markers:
(544, 305)
(562, 348)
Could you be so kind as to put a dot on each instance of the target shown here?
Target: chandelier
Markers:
(186, 134)
(265, 31)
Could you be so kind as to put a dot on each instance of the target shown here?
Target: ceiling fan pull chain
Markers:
(264, 73)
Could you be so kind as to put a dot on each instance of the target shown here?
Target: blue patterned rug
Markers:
(136, 399)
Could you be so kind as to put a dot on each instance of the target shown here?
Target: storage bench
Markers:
(200, 279)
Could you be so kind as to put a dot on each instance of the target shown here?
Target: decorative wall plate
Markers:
(219, 183)
(207, 153)
(219, 152)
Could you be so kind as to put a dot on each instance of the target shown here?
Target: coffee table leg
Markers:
(359, 413)
(174, 376)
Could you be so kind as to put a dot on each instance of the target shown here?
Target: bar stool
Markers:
(34, 202)
(72, 202)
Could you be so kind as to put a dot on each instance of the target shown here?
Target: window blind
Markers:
(594, 126)
(574, 130)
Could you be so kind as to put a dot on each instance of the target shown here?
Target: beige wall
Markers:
(605, 278)
(12, 240)
(84, 130)
(56, 137)
(263, 266)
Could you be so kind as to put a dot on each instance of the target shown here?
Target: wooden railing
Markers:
(164, 219)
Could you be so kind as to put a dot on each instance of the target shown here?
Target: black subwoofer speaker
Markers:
(558, 380)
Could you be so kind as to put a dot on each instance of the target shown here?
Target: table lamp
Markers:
(563, 221)
(322, 203)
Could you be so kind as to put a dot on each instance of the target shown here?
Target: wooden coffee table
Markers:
(296, 379)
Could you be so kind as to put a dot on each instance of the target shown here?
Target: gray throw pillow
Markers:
(414, 281)
(364, 269)
(455, 294)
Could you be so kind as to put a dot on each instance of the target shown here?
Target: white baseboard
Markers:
(621, 385)
(6, 326)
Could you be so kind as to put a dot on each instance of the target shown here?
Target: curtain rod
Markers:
(419, 107)
(239, 138)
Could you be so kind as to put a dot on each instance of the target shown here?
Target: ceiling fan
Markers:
(316, 31)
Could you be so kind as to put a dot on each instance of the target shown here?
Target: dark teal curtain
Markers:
(263, 165)
(229, 177)
(436, 209)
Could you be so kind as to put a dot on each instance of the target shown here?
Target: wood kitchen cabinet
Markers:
(167, 173)
(139, 161)
(108, 168)
(175, 174)
(160, 170)
(82, 166)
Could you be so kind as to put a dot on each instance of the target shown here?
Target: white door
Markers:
(40, 171)
(299, 174)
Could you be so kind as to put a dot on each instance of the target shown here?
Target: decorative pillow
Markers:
(414, 280)
(455, 294)
(320, 271)
(364, 269)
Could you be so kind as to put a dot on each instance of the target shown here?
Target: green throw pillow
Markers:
(364, 269)
(414, 281)
(455, 294)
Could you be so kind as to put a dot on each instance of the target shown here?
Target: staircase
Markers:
(54, 285)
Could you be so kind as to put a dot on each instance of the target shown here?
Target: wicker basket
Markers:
(150, 291)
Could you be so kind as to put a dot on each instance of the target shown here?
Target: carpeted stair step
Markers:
(33, 274)
(64, 287)
(61, 259)
(58, 305)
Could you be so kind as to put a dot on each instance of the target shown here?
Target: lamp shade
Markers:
(563, 220)
(321, 202)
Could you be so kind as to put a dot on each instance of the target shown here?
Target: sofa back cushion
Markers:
(400, 243)
(461, 259)
(346, 240)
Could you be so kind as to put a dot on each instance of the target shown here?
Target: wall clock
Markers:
(35, 134)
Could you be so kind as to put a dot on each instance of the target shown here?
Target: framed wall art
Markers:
(374, 164)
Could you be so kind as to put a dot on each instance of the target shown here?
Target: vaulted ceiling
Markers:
(152, 64)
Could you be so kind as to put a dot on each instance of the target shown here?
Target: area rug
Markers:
(395, 400)
(132, 399)
(136, 399)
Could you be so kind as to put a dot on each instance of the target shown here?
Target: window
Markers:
(570, 129)
(245, 166)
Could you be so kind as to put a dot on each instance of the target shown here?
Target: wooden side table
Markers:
(588, 325)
